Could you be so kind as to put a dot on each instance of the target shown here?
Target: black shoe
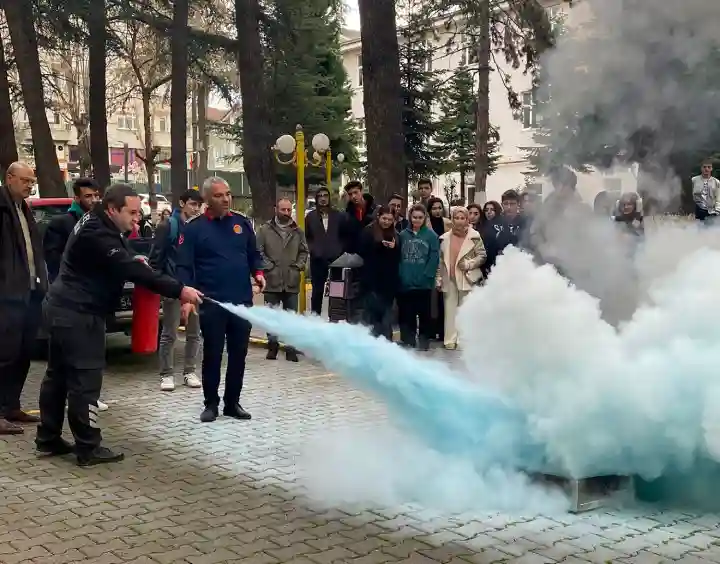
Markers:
(423, 345)
(57, 447)
(209, 414)
(291, 355)
(273, 349)
(237, 412)
(99, 455)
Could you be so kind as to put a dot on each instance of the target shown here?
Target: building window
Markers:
(527, 109)
(56, 118)
(163, 125)
(468, 52)
(127, 121)
(361, 128)
(360, 70)
(427, 47)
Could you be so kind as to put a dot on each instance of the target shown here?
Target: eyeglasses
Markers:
(26, 179)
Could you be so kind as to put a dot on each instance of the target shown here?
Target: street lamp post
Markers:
(294, 147)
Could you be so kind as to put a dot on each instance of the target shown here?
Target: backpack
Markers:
(174, 229)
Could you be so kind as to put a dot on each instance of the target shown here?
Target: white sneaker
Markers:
(192, 381)
(102, 406)
(167, 384)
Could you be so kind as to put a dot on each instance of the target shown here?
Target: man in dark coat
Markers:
(360, 212)
(23, 284)
(322, 230)
(87, 192)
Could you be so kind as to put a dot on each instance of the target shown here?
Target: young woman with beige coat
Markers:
(462, 255)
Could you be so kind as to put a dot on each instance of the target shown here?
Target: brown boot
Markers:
(7, 428)
(19, 416)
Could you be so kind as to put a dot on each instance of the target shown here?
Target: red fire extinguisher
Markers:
(146, 320)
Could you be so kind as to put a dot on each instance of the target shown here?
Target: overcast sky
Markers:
(352, 18)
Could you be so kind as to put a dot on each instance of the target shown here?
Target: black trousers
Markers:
(319, 270)
(378, 314)
(19, 325)
(288, 301)
(414, 316)
(437, 300)
(74, 375)
(217, 326)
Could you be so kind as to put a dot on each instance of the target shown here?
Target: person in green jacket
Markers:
(420, 256)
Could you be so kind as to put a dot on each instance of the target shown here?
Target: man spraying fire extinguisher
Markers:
(95, 266)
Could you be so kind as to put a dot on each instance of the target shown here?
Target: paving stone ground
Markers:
(227, 492)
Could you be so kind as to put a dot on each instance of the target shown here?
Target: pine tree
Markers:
(456, 132)
(418, 84)
(307, 83)
(493, 34)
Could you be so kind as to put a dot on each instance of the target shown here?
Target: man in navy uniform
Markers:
(218, 253)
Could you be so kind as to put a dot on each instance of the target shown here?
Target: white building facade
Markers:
(516, 131)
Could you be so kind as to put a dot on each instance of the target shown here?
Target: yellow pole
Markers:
(328, 169)
(300, 204)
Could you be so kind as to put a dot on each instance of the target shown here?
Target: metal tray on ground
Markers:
(587, 494)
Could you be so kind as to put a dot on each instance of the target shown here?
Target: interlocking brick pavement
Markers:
(226, 492)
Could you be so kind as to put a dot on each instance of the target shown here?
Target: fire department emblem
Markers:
(237, 229)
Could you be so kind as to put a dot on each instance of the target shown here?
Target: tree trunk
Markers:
(203, 140)
(85, 163)
(194, 124)
(382, 99)
(257, 134)
(149, 150)
(19, 15)
(8, 146)
(482, 121)
(178, 100)
(97, 105)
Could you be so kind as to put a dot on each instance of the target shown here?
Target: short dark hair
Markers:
(116, 196)
(192, 196)
(321, 190)
(81, 183)
(417, 208)
(352, 185)
(395, 196)
(510, 196)
(424, 181)
(474, 206)
(707, 162)
(564, 177)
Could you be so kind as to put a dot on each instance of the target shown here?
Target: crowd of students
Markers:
(427, 260)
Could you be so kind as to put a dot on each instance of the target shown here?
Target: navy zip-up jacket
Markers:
(218, 256)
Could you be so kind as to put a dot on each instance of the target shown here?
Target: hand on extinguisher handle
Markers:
(191, 296)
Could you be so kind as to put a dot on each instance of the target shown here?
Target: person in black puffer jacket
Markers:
(379, 247)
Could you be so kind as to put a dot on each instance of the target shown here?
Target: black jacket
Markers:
(163, 253)
(381, 265)
(56, 237)
(14, 271)
(324, 243)
(353, 227)
(96, 265)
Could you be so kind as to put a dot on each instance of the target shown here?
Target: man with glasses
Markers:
(23, 284)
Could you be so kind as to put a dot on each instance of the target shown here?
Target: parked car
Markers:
(162, 204)
(44, 209)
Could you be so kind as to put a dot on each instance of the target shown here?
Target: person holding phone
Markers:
(379, 247)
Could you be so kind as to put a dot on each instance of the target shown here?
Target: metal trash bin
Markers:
(344, 297)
